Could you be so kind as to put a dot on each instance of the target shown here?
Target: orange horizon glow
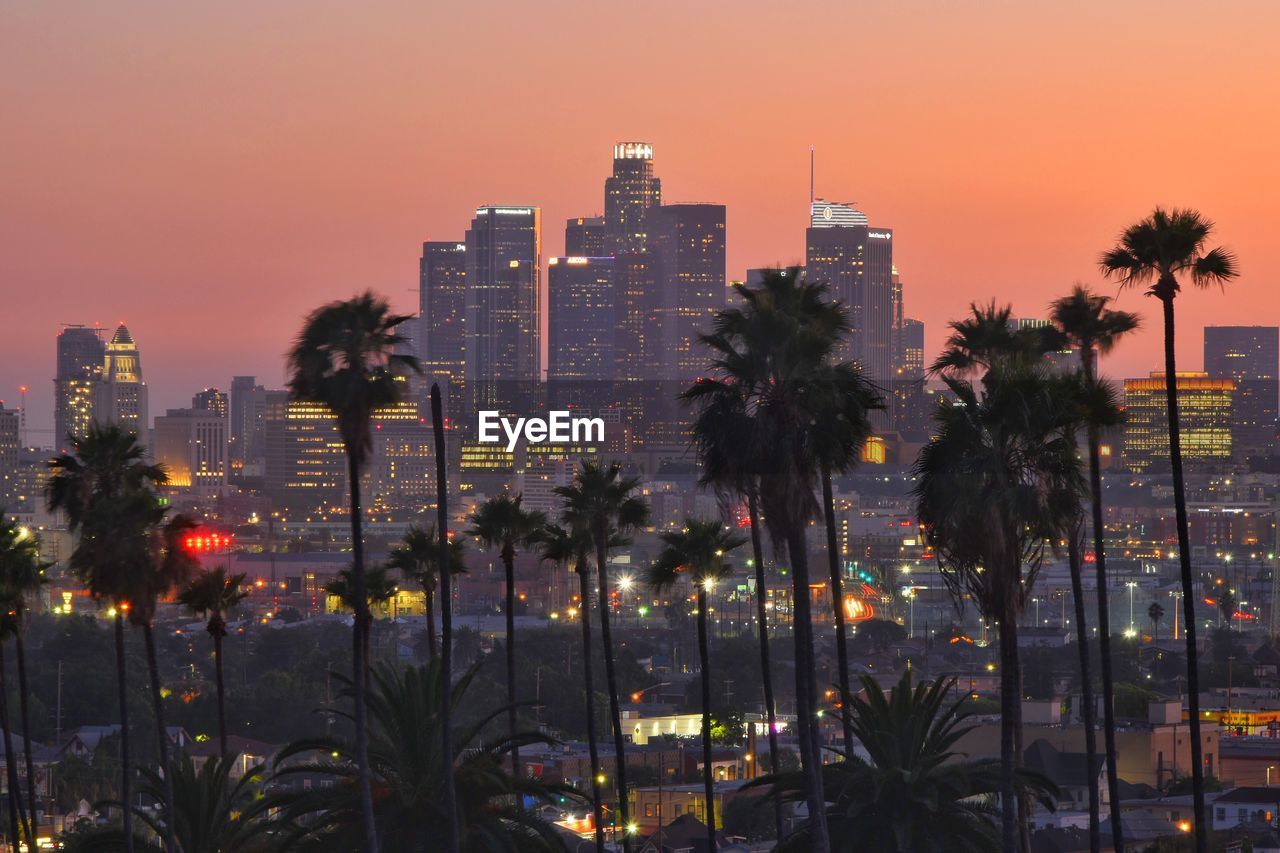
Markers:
(214, 172)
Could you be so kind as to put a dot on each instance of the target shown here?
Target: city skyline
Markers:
(273, 206)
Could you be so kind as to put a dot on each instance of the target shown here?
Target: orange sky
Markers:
(209, 172)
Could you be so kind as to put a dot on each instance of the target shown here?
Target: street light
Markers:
(1131, 585)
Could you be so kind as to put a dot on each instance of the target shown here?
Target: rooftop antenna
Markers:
(810, 177)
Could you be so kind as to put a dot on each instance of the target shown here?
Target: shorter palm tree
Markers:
(501, 522)
(22, 574)
(214, 812)
(405, 754)
(1155, 613)
(215, 594)
(417, 558)
(697, 554)
(572, 546)
(913, 791)
(379, 588)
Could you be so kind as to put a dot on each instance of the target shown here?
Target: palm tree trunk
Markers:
(807, 730)
(704, 663)
(431, 623)
(21, 650)
(222, 695)
(446, 623)
(1104, 620)
(837, 607)
(162, 738)
(1086, 687)
(1010, 700)
(359, 665)
(593, 750)
(509, 565)
(766, 675)
(1188, 583)
(126, 771)
(1019, 753)
(611, 679)
(16, 823)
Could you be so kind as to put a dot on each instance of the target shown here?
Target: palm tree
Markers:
(22, 574)
(407, 762)
(214, 811)
(572, 546)
(1085, 322)
(102, 487)
(18, 818)
(725, 436)
(168, 566)
(603, 502)
(843, 401)
(502, 523)
(1158, 253)
(448, 792)
(777, 351)
(995, 483)
(914, 791)
(346, 358)
(417, 558)
(214, 594)
(697, 554)
(1155, 613)
(379, 588)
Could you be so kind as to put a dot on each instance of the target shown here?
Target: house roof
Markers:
(1064, 768)
(1262, 796)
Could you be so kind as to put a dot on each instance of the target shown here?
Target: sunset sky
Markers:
(208, 172)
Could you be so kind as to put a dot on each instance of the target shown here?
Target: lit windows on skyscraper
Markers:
(1204, 411)
(1251, 356)
(581, 319)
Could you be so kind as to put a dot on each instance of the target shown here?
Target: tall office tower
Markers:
(305, 469)
(192, 446)
(241, 422)
(632, 286)
(261, 406)
(686, 248)
(505, 306)
(1251, 356)
(629, 193)
(10, 441)
(80, 356)
(122, 394)
(584, 237)
(910, 355)
(856, 261)
(442, 307)
(1204, 414)
(580, 319)
(211, 400)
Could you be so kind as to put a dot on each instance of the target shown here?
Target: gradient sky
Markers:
(210, 171)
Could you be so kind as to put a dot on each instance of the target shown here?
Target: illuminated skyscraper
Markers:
(629, 193)
(580, 320)
(584, 237)
(80, 357)
(856, 262)
(687, 253)
(240, 422)
(121, 396)
(1204, 412)
(192, 446)
(442, 306)
(505, 304)
(1251, 356)
(9, 447)
(211, 400)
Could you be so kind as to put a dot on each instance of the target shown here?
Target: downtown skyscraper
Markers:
(855, 260)
(505, 304)
(1249, 355)
(121, 395)
(440, 341)
(686, 248)
(580, 319)
(80, 354)
(629, 194)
